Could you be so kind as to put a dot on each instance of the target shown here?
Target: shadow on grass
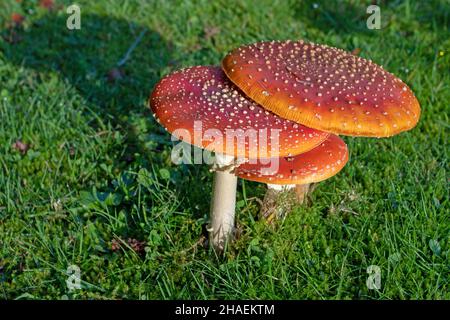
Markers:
(349, 17)
(88, 59)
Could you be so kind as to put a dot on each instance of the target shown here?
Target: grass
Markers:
(97, 188)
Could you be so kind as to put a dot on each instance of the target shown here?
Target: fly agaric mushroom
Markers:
(324, 88)
(290, 182)
(200, 106)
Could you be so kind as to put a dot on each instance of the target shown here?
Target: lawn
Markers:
(86, 177)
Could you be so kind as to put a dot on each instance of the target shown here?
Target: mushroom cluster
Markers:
(273, 114)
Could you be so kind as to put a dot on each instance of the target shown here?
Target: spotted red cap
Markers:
(196, 102)
(316, 165)
(323, 88)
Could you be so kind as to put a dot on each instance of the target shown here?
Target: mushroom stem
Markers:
(302, 190)
(279, 200)
(223, 203)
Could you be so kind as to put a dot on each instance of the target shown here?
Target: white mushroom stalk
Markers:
(302, 191)
(223, 202)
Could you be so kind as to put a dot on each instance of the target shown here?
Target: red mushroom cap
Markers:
(205, 94)
(17, 18)
(323, 88)
(316, 165)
